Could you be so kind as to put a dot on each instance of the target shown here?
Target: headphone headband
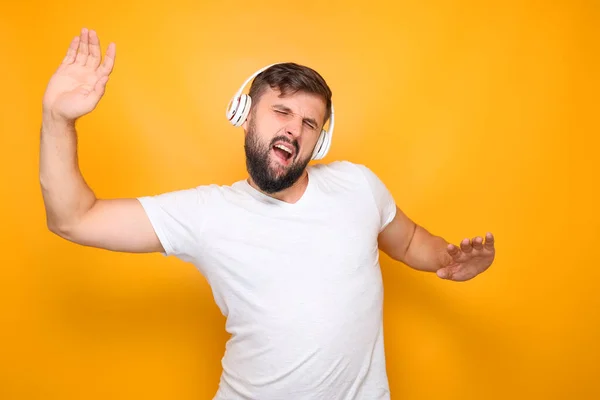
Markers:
(240, 104)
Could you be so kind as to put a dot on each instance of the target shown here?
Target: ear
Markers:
(247, 120)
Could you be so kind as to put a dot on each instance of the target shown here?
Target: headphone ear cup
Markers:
(322, 146)
(245, 111)
(239, 109)
(231, 107)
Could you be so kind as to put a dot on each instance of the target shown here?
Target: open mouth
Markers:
(284, 152)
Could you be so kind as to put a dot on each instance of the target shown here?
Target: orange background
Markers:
(477, 115)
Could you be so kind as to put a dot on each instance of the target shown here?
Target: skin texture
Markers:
(75, 213)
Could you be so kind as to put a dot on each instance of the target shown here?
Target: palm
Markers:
(469, 260)
(79, 82)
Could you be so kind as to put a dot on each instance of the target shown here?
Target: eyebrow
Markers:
(287, 109)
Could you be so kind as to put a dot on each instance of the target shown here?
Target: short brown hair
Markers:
(290, 78)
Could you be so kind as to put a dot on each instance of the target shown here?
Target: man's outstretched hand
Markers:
(469, 260)
(79, 82)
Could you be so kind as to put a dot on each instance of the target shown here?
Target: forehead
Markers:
(307, 105)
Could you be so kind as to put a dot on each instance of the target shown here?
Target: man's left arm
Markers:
(406, 241)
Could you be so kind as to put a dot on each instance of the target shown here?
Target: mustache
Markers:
(287, 140)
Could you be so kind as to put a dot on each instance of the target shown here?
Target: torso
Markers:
(301, 288)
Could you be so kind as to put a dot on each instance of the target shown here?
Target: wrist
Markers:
(427, 252)
(52, 121)
(442, 258)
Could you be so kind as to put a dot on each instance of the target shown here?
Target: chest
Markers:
(273, 258)
(285, 239)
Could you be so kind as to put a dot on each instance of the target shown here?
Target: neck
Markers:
(289, 195)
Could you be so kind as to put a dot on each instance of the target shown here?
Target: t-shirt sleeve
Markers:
(384, 200)
(176, 218)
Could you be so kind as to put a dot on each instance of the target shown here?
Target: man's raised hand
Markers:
(80, 81)
(468, 260)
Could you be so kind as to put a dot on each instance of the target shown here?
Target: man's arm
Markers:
(72, 209)
(405, 241)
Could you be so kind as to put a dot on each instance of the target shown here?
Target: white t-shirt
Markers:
(300, 284)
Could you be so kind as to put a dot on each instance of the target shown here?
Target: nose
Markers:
(294, 127)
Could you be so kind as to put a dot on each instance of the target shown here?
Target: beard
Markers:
(258, 163)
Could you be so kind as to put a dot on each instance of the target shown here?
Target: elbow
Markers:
(64, 225)
(60, 229)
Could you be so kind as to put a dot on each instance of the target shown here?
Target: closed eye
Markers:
(307, 121)
(310, 125)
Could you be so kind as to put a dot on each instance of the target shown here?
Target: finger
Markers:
(453, 251)
(465, 245)
(95, 53)
(489, 241)
(100, 86)
(83, 52)
(461, 275)
(443, 273)
(109, 60)
(478, 243)
(448, 272)
(71, 51)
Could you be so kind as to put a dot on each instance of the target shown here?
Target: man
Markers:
(291, 253)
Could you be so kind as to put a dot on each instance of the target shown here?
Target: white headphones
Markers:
(239, 107)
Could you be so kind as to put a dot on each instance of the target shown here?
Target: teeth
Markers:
(282, 147)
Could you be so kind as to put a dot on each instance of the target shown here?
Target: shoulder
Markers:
(359, 185)
(351, 176)
(344, 170)
(194, 196)
(342, 167)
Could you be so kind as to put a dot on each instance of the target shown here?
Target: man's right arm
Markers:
(72, 209)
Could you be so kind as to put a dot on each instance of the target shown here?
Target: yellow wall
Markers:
(478, 116)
